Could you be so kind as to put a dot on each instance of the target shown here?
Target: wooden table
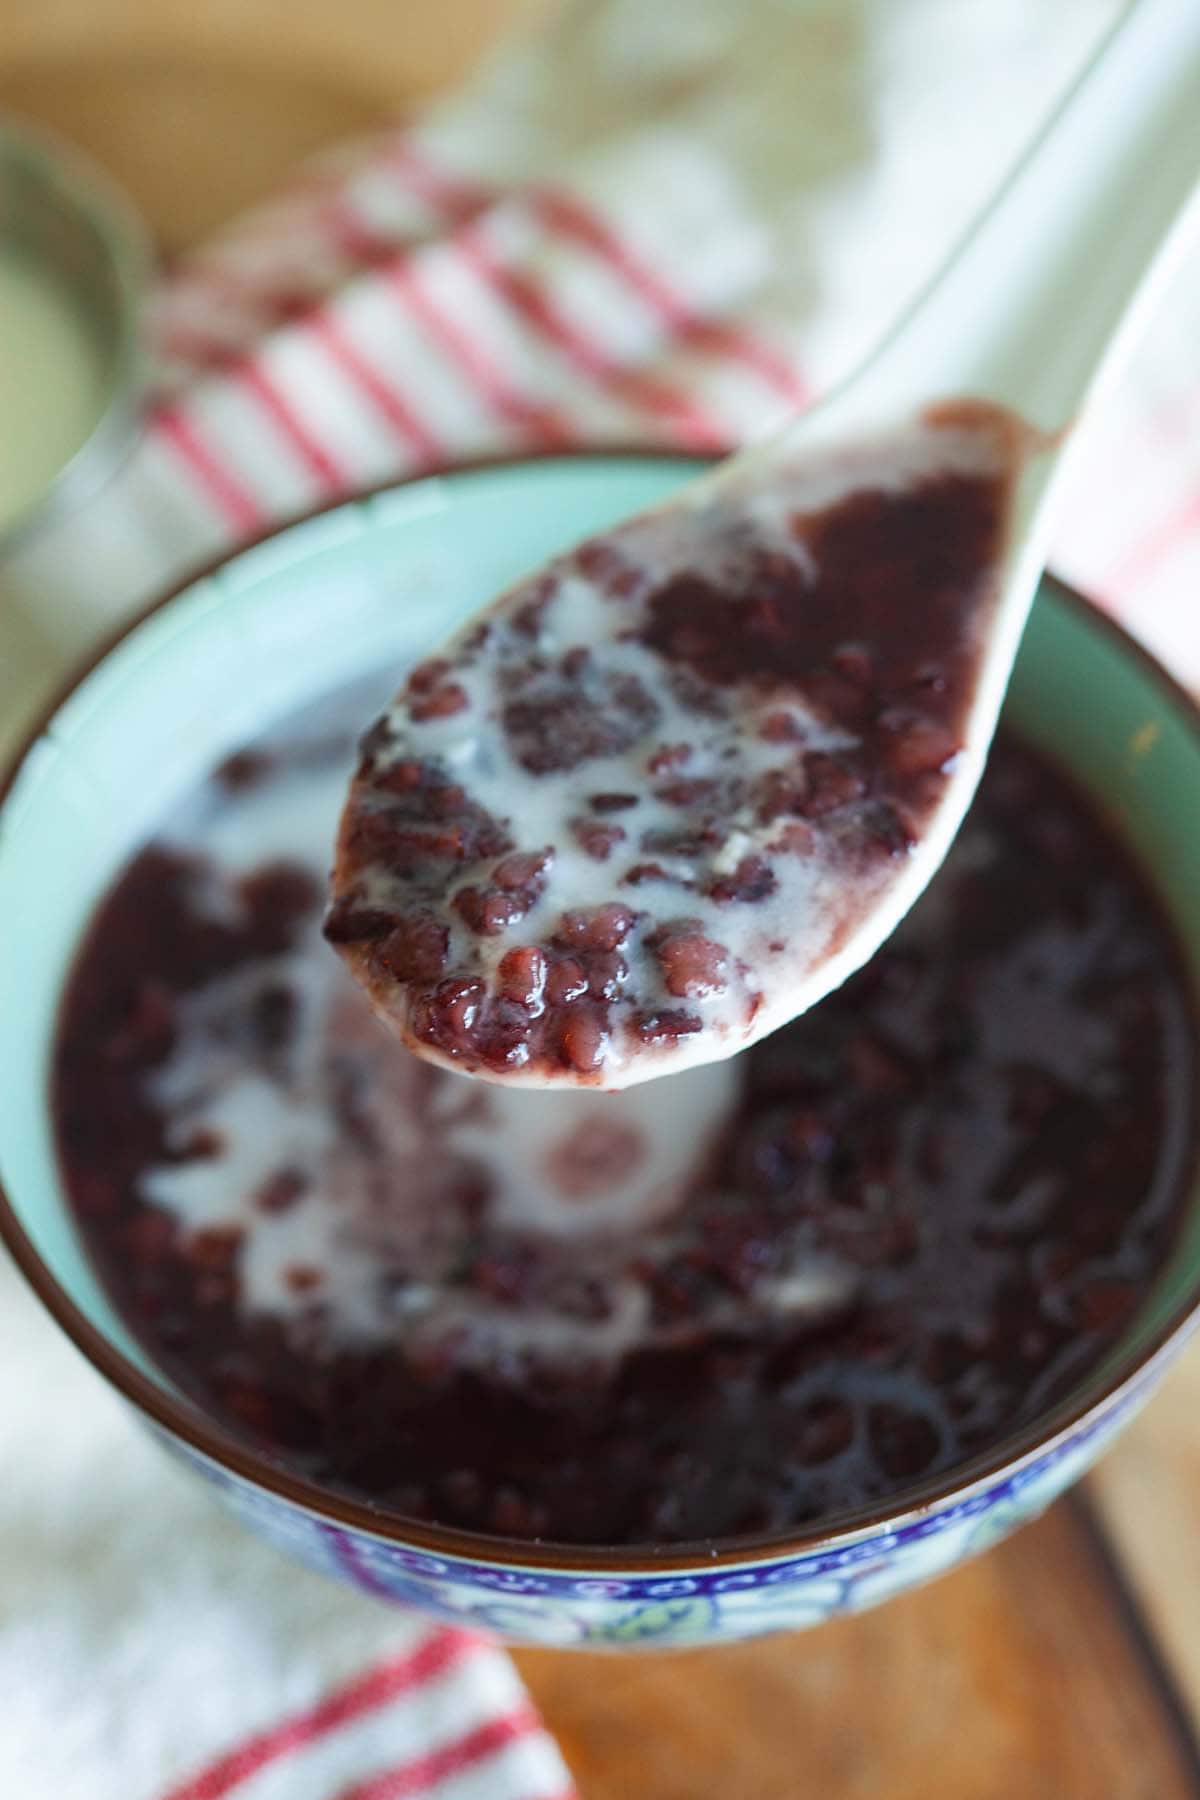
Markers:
(1064, 1665)
(1029, 1673)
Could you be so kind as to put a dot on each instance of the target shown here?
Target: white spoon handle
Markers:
(1048, 291)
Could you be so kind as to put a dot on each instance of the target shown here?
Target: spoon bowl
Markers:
(673, 787)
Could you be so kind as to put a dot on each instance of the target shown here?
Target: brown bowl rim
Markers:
(182, 1418)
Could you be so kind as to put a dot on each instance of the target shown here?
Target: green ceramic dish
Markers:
(371, 583)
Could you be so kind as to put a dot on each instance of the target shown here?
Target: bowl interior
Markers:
(371, 585)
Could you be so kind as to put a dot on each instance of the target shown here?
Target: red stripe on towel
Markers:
(235, 502)
(313, 454)
(422, 1773)
(384, 395)
(375, 1688)
(695, 429)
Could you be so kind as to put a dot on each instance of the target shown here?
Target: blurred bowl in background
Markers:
(74, 261)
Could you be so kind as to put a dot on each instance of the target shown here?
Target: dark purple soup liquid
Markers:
(985, 1136)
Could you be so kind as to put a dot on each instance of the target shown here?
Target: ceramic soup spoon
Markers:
(668, 791)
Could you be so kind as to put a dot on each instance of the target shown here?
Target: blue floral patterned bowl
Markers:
(368, 584)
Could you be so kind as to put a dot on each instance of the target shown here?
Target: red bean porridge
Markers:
(630, 809)
(749, 1296)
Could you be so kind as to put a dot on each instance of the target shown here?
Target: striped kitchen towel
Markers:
(657, 225)
(150, 1649)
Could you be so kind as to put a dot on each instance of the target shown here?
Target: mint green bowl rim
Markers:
(180, 1418)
